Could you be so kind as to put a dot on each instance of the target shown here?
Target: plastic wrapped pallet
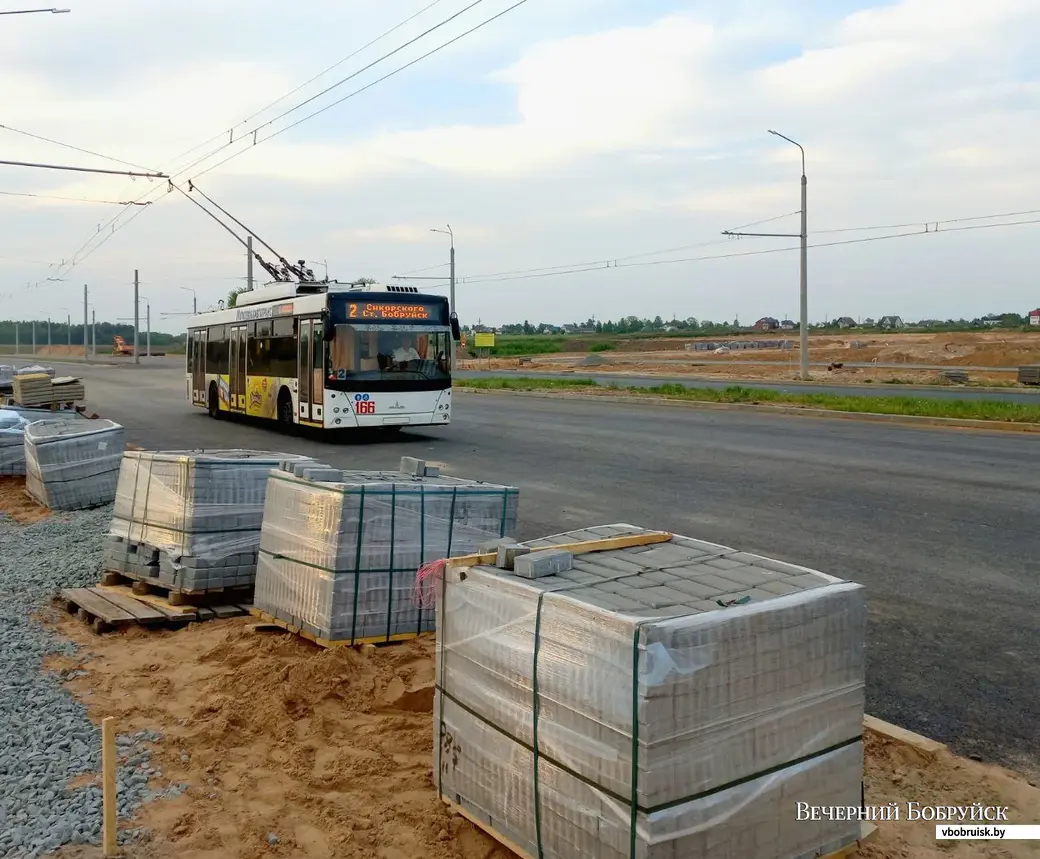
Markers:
(339, 560)
(682, 698)
(13, 421)
(190, 520)
(72, 464)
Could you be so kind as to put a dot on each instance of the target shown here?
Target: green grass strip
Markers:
(985, 410)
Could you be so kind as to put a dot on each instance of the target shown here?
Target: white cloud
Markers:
(569, 138)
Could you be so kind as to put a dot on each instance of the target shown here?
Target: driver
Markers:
(405, 352)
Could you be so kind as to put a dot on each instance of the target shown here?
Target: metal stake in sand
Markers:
(108, 777)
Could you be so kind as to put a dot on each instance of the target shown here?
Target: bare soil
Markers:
(331, 751)
(18, 504)
(988, 349)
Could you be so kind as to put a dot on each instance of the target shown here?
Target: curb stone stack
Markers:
(190, 520)
(682, 698)
(339, 559)
(72, 464)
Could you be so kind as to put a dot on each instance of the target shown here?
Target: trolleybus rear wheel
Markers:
(213, 404)
(286, 416)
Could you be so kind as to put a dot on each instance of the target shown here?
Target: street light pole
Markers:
(194, 299)
(803, 267)
(451, 295)
(803, 237)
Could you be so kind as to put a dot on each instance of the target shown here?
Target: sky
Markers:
(587, 154)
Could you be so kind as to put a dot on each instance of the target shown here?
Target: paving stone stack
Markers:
(190, 520)
(13, 420)
(73, 464)
(683, 697)
(339, 555)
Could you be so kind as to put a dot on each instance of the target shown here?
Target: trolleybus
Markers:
(326, 355)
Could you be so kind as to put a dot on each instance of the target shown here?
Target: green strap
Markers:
(442, 626)
(536, 709)
(390, 571)
(634, 815)
(451, 519)
(357, 566)
(422, 546)
(502, 518)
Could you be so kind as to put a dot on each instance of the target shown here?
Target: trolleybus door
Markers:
(237, 369)
(198, 365)
(310, 370)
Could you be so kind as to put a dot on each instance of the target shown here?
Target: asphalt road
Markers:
(942, 527)
(1027, 396)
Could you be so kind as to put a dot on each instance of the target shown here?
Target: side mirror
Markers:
(328, 330)
(456, 331)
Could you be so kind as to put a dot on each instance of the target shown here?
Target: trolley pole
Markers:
(137, 284)
(249, 263)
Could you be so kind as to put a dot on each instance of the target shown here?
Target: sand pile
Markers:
(293, 751)
(328, 751)
(16, 502)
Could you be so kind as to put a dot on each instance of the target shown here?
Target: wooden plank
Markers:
(607, 544)
(901, 735)
(142, 612)
(185, 612)
(330, 643)
(867, 832)
(94, 603)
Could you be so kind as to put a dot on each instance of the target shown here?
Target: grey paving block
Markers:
(343, 557)
(649, 687)
(73, 464)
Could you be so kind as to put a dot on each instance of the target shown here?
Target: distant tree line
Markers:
(60, 333)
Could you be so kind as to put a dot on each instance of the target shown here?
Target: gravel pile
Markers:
(46, 739)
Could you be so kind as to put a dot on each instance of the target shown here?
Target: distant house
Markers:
(890, 323)
(869, 323)
(1034, 317)
(767, 323)
(787, 325)
(845, 322)
(992, 320)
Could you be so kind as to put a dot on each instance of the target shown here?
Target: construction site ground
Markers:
(292, 750)
(997, 352)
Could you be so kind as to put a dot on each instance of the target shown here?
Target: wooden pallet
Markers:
(331, 642)
(867, 832)
(240, 594)
(110, 607)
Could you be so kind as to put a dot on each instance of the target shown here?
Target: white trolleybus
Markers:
(330, 355)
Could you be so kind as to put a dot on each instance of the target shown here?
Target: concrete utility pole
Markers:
(803, 236)
(137, 284)
(68, 324)
(17, 346)
(34, 337)
(86, 339)
(48, 332)
(93, 332)
(148, 328)
(249, 263)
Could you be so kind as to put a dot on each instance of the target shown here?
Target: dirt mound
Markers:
(16, 502)
(329, 750)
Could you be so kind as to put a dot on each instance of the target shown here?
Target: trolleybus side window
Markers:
(217, 350)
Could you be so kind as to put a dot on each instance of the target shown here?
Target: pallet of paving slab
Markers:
(867, 832)
(237, 594)
(116, 607)
(330, 643)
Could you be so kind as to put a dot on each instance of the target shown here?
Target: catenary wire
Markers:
(76, 148)
(83, 253)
